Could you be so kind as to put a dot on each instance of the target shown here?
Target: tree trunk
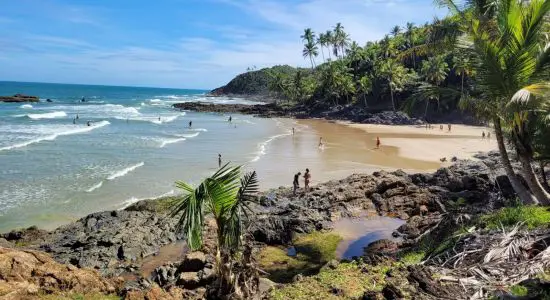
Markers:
(462, 85)
(426, 110)
(392, 103)
(323, 53)
(329, 55)
(543, 176)
(532, 181)
(523, 194)
(311, 60)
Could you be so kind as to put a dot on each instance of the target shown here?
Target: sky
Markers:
(178, 43)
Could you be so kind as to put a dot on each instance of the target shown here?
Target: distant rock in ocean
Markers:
(19, 98)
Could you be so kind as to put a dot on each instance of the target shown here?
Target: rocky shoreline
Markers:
(115, 243)
(19, 98)
(272, 110)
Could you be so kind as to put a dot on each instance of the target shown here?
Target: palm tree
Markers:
(224, 195)
(394, 74)
(322, 41)
(308, 36)
(365, 86)
(395, 30)
(510, 72)
(410, 36)
(311, 50)
(329, 38)
(434, 70)
(341, 39)
(463, 66)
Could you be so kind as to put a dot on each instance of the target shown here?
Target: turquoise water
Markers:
(136, 146)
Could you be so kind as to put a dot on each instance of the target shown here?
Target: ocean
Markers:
(56, 168)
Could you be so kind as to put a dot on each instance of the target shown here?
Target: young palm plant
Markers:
(225, 196)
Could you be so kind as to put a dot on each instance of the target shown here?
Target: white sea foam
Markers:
(125, 171)
(189, 135)
(199, 129)
(25, 106)
(95, 187)
(52, 115)
(262, 147)
(51, 137)
(133, 200)
(171, 141)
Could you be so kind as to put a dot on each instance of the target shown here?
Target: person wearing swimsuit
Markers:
(307, 178)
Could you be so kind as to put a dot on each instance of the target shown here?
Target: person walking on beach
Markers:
(483, 135)
(219, 160)
(296, 183)
(307, 178)
(292, 130)
(441, 127)
(377, 142)
(320, 142)
(449, 126)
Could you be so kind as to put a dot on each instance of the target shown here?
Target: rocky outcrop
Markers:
(110, 241)
(19, 98)
(262, 110)
(25, 273)
(420, 199)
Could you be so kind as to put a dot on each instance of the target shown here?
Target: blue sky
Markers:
(177, 43)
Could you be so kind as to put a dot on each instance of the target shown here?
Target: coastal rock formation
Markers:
(396, 194)
(24, 273)
(110, 241)
(343, 112)
(19, 98)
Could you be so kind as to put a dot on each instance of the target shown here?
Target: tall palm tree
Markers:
(329, 41)
(341, 39)
(395, 30)
(463, 66)
(311, 50)
(410, 36)
(224, 195)
(395, 74)
(365, 86)
(434, 70)
(511, 69)
(308, 36)
(322, 41)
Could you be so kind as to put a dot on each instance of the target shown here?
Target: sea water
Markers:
(127, 144)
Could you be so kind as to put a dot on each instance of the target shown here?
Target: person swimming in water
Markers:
(230, 119)
(89, 123)
(83, 99)
(74, 121)
(77, 116)
(190, 124)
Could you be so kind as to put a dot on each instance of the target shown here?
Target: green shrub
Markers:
(519, 290)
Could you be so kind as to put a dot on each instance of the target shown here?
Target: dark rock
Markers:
(193, 262)
(19, 98)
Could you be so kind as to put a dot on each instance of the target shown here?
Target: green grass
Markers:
(532, 216)
(352, 278)
(412, 258)
(313, 251)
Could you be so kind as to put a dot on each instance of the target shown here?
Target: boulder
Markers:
(188, 280)
(193, 262)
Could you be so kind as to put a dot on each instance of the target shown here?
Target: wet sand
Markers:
(351, 148)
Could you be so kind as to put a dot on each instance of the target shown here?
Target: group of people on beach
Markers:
(296, 182)
(429, 126)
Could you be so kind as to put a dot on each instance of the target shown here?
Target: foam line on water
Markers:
(125, 171)
(26, 106)
(171, 141)
(133, 200)
(81, 129)
(95, 187)
(189, 135)
(262, 147)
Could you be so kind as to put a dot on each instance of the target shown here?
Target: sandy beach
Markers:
(417, 142)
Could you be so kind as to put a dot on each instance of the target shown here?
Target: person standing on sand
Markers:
(449, 126)
(377, 142)
(483, 135)
(441, 127)
(296, 183)
(219, 160)
(292, 130)
(321, 142)
(307, 177)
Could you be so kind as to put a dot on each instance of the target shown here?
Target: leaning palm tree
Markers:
(310, 50)
(511, 70)
(225, 196)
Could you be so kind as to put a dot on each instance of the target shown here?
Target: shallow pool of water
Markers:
(357, 233)
(168, 253)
